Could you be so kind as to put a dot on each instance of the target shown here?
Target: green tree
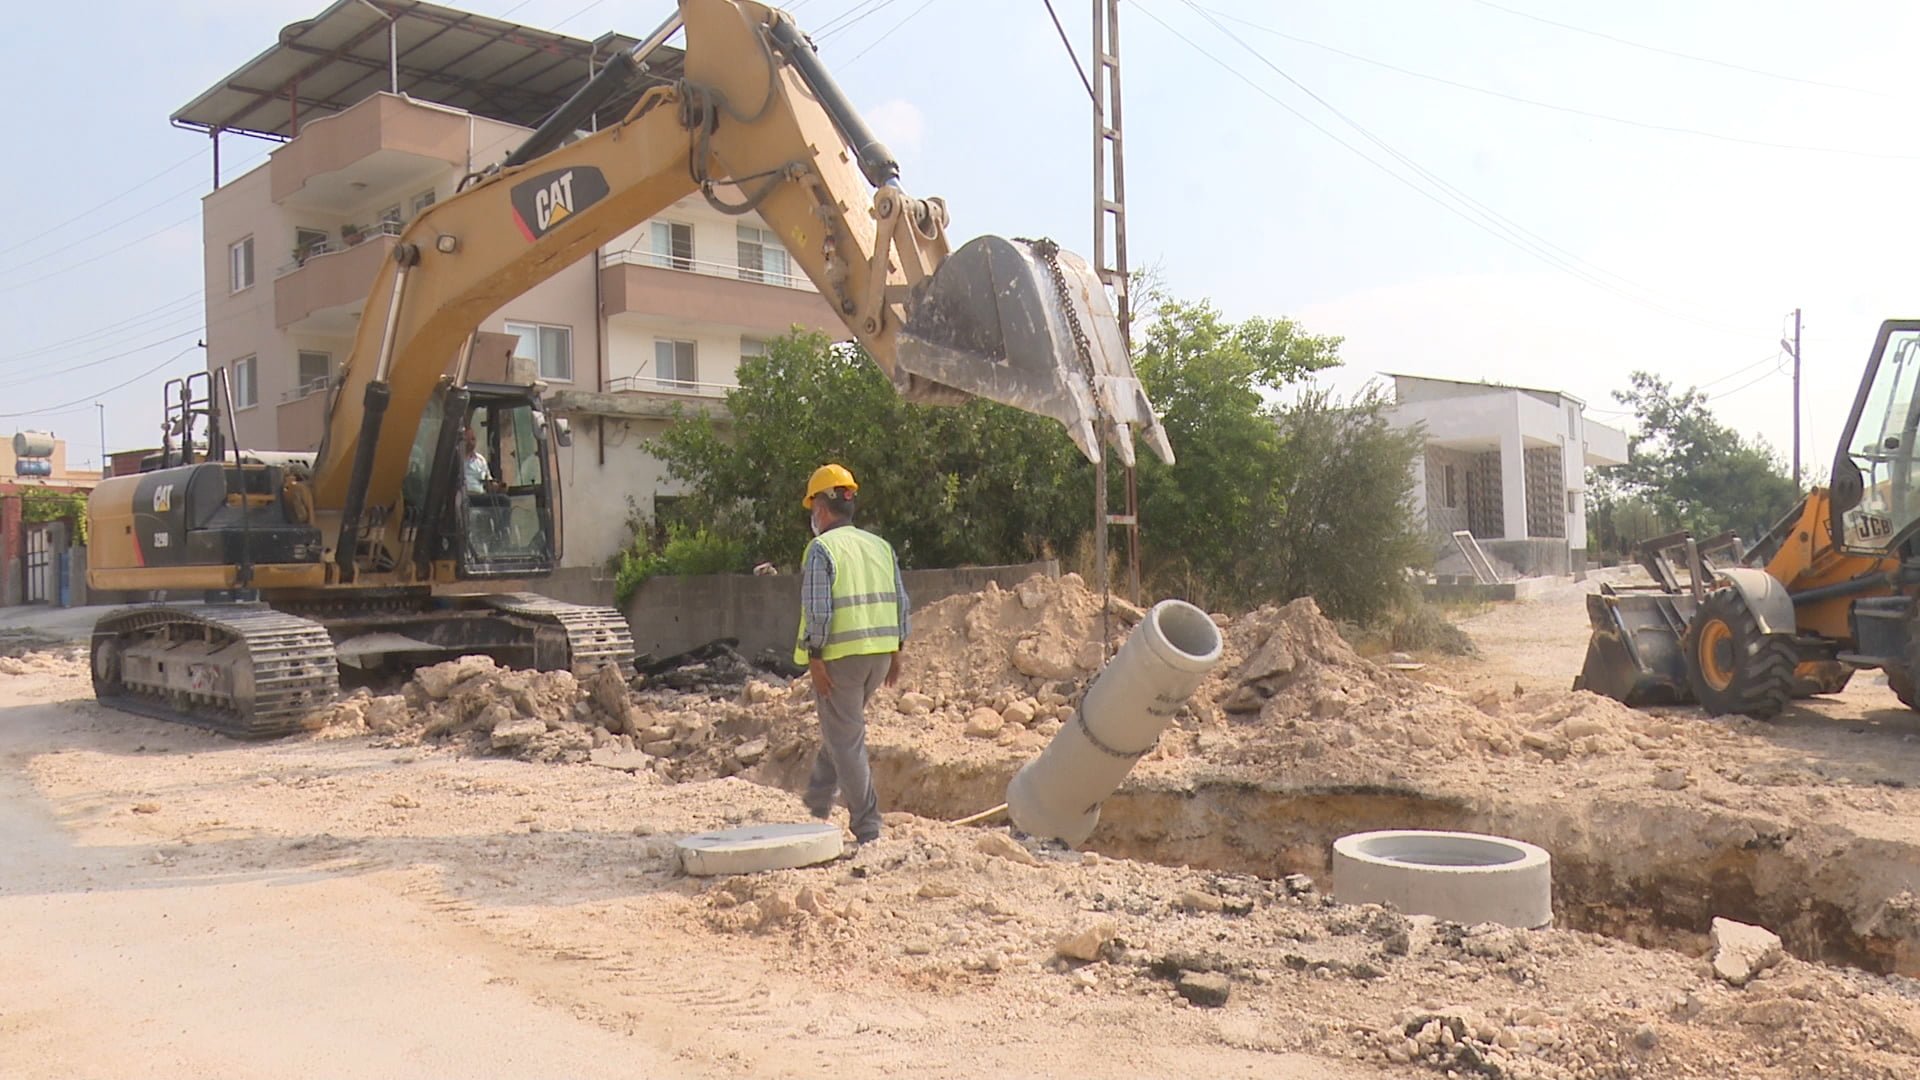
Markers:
(1265, 503)
(1347, 535)
(1695, 471)
(980, 483)
(1212, 380)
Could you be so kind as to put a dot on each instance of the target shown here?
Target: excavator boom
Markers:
(755, 125)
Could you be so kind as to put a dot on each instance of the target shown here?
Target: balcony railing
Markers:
(306, 389)
(710, 269)
(654, 384)
(342, 243)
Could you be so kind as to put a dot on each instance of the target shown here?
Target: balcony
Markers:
(648, 384)
(322, 292)
(301, 419)
(385, 142)
(754, 301)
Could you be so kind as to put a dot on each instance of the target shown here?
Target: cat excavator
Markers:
(1829, 590)
(376, 551)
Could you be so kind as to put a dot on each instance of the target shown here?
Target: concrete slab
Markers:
(755, 848)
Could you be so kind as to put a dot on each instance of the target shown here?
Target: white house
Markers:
(1507, 464)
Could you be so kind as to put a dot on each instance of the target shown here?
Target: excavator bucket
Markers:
(1026, 324)
(1635, 654)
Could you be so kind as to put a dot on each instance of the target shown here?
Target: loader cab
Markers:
(480, 489)
(1876, 470)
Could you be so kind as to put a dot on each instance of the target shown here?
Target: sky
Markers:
(1544, 192)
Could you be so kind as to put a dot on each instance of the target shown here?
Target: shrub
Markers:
(687, 551)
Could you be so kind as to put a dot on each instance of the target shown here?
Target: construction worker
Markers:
(853, 619)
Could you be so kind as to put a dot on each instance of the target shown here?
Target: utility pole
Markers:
(1110, 263)
(1793, 350)
(103, 438)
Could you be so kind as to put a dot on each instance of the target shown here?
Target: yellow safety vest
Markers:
(866, 609)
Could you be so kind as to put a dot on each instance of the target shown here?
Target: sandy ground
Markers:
(355, 904)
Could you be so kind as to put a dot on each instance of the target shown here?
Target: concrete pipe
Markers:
(1461, 877)
(1058, 794)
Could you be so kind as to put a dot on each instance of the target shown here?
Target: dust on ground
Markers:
(539, 811)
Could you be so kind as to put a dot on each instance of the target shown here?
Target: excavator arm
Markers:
(757, 125)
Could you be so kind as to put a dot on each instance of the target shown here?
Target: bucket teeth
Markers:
(994, 322)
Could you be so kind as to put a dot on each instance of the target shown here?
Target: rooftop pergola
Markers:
(355, 48)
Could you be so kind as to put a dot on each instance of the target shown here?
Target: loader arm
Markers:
(756, 125)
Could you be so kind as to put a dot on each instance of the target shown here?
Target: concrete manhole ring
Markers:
(754, 848)
(1461, 877)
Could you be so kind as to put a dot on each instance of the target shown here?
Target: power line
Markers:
(49, 230)
(848, 17)
(1743, 386)
(875, 43)
(90, 398)
(1071, 55)
(1676, 53)
(41, 376)
(1569, 109)
(1487, 219)
(150, 314)
(1770, 358)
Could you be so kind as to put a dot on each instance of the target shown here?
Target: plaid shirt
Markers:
(816, 596)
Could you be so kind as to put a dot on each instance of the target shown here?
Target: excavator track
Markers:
(243, 670)
(595, 636)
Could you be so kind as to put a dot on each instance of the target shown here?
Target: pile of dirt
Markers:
(940, 909)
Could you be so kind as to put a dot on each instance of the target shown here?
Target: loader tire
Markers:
(1731, 666)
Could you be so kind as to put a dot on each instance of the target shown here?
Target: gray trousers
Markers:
(842, 760)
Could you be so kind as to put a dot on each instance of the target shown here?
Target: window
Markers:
(1452, 498)
(246, 388)
(675, 364)
(314, 371)
(673, 245)
(1573, 502)
(240, 265)
(752, 347)
(391, 214)
(550, 346)
(761, 256)
(421, 201)
(307, 243)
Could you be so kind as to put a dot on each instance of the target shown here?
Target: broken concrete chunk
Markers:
(1042, 657)
(750, 751)
(515, 730)
(1085, 944)
(1018, 712)
(1195, 900)
(914, 703)
(1741, 952)
(1000, 845)
(984, 723)
(1207, 989)
(439, 680)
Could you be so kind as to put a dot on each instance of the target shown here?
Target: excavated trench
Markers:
(1655, 876)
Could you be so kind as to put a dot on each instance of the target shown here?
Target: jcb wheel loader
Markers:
(1831, 589)
(375, 551)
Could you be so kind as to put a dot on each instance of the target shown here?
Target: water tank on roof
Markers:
(32, 467)
(32, 444)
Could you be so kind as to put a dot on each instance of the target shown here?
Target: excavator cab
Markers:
(480, 490)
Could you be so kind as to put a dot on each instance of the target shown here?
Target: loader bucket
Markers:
(997, 320)
(1634, 655)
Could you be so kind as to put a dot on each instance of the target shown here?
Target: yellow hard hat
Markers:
(826, 478)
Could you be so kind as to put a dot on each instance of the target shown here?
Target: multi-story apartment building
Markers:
(658, 318)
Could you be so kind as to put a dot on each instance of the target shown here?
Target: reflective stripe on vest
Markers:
(866, 610)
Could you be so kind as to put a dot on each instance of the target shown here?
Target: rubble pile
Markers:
(481, 708)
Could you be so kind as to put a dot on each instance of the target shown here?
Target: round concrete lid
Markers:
(754, 848)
